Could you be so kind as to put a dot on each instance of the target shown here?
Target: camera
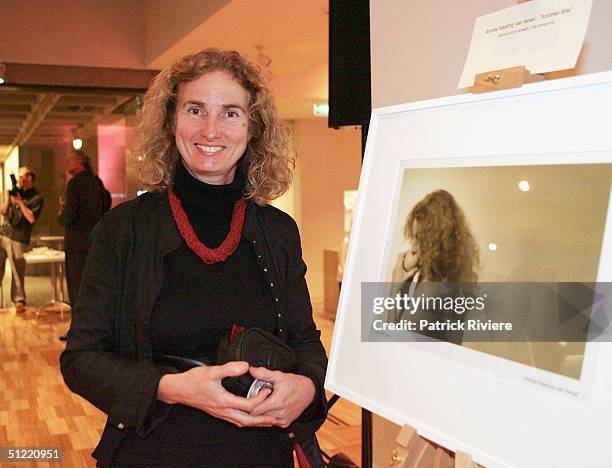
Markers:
(15, 189)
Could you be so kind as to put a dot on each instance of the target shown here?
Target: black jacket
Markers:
(108, 358)
(86, 201)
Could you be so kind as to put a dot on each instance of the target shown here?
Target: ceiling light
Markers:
(2, 73)
(320, 109)
(1, 80)
(524, 186)
(492, 246)
(77, 143)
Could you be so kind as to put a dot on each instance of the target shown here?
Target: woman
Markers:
(440, 252)
(172, 271)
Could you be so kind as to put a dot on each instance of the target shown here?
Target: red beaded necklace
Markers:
(208, 255)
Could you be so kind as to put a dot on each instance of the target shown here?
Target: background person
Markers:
(20, 212)
(85, 202)
(173, 270)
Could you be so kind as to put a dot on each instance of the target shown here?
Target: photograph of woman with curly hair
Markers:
(485, 227)
(202, 254)
(442, 247)
(440, 251)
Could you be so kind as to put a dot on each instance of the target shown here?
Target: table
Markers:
(57, 243)
(51, 239)
(56, 259)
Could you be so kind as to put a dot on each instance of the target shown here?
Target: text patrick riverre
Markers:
(438, 325)
(412, 304)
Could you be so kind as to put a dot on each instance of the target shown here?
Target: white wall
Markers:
(328, 163)
(11, 166)
(419, 46)
(288, 201)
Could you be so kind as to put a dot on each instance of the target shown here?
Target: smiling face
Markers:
(212, 126)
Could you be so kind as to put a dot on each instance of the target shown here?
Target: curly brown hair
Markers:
(268, 161)
(447, 249)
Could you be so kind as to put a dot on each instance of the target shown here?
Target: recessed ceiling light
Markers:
(492, 246)
(77, 143)
(524, 186)
(1, 80)
(320, 109)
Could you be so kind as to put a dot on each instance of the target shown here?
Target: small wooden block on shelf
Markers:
(506, 78)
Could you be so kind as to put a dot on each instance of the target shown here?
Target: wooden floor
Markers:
(38, 410)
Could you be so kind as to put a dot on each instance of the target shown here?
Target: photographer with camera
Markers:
(21, 209)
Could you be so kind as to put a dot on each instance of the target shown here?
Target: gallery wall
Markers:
(419, 46)
(11, 166)
(328, 163)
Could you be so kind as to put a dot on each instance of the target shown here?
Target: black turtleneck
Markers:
(208, 207)
(198, 304)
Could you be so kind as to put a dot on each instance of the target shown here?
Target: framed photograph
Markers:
(527, 174)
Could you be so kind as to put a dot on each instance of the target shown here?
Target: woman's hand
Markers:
(291, 396)
(201, 388)
(406, 264)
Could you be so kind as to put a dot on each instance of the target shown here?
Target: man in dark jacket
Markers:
(86, 201)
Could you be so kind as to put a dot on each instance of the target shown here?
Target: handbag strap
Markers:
(302, 459)
(235, 331)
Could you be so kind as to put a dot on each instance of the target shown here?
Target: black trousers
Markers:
(75, 263)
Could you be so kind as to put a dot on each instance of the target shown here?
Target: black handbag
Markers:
(259, 348)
